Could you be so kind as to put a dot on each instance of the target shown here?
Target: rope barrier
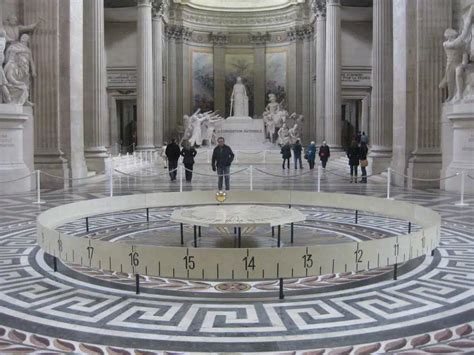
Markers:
(282, 176)
(346, 176)
(470, 177)
(72, 179)
(20, 178)
(420, 179)
(251, 153)
(145, 176)
(212, 175)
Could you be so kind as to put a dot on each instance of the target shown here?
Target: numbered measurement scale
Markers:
(239, 211)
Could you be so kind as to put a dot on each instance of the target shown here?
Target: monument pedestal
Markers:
(243, 133)
(16, 148)
(458, 145)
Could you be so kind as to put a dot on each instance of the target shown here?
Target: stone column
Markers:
(259, 87)
(320, 9)
(171, 82)
(144, 77)
(432, 18)
(95, 97)
(158, 111)
(382, 86)
(57, 91)
(219, 40)
(333, 124)
(365, 115)
(306, 36)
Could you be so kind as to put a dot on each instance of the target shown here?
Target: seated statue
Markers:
(294, 133)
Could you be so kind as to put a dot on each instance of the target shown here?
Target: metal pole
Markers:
(251, 178)
(180, 178)
(292, 232)
(195, 236)
(282, 296)
(87, 224)
(111, 176)
(240, 236)
(279, 235)
(273, 232)
(148, 214)
(137, 284)
(357, 216)
(319, 178)
(409, 227)
(389, 177)
(395, 271)
(199, 231)
(181, 229)
(463, 178)
(55, 264)
(38, 188)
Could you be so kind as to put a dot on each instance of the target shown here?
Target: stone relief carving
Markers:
(199, 128)
(18, 66)
(459, 74)
(274, 117)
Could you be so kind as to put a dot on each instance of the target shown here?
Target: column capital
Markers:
(219, 38)
(319, 8)
(160, 8)
(178, 32)
(259, 38)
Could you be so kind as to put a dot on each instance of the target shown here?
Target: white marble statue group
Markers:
(277, 122)
(200, 128)
(459, 76)
(17, 65)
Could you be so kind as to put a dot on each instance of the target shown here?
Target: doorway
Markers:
(351, 120)
(127, 119)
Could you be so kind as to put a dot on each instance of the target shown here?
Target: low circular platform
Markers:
(237, 216)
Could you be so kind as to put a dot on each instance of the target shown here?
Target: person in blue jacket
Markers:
(310, 154)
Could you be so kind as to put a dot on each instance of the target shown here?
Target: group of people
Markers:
(310, 154)
(357, 155)
(222, 158)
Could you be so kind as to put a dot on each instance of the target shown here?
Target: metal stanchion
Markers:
(137, 284)
(38, 188)
(463, 181)
(251, 178)
(319, 178)
(282, 296)
(389, 178)
(180, 178)
(111, 176)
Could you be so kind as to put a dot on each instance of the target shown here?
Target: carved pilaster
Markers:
(160, 8)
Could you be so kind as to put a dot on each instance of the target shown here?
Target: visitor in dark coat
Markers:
(286, 155)
(324, 154)
(363, 161)
(310, 154)
(297, 149)
(222, 157)
(173, 153)
(353, 153)
(188, 153)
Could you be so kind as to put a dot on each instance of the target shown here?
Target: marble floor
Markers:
(428, 309)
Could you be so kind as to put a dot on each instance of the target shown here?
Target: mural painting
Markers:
(203, 81)
(276, 71)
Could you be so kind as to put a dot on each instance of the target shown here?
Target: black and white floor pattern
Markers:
(428, 309)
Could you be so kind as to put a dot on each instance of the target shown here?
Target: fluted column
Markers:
(333, 74)
(432, 18)
(95, 97)
(382, 86)
(144, 76)
(158, 73)
(320, 9)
